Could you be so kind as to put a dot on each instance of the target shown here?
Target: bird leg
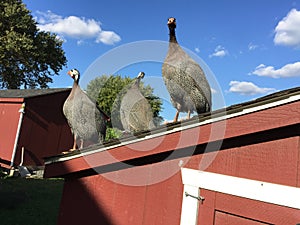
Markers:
(73, 148)
(74, 144)
(176, 116)
(81, 144)
(189, 114)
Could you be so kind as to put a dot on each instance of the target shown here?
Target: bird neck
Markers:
(75, 84)
(137, 83)
(172, 35)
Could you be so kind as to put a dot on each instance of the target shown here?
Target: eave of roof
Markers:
(204, 120)
(11, 100)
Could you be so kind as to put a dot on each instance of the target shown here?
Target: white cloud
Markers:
(75, 27)
(108, 37)
(80, 42)
(289, 70)
(219, 52)
(197, 50)
(287, 31)
(252, 46)
(247, 88)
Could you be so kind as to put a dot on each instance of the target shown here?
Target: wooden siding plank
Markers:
(255, 210)
(79, 206)
(273, 161)
(163, 200)
(9, 119)
(222, 218)
(43, 121)
(128, 205)
(104, 194)
(206, 212)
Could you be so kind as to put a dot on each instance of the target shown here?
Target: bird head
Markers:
(74, 73)
(140, 75)
(172, 22)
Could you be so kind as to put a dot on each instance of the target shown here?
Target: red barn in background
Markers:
(32, 120)
(240, 165)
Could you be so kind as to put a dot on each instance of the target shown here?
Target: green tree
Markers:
(109, 91)
(94, 86)
(28, 57)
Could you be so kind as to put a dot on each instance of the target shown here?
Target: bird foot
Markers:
(69, 151)
(170, 122)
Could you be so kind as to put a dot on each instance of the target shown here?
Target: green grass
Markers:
(29, 201)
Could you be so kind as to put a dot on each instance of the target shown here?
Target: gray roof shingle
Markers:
(28, 93)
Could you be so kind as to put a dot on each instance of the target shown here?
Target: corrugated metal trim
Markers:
(273, 100)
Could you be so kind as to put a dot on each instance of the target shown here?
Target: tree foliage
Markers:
(28, 56)
(109, 91)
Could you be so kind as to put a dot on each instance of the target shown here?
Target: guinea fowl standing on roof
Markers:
(135, 110)
(86, 120)
(184, 79)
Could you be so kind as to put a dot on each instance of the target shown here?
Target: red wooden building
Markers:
(32, 120)
(240, 165)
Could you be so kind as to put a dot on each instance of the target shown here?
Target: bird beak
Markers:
(69, 73)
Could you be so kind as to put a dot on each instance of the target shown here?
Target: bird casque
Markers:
(135, 110)
(185, 80)
(86, 120)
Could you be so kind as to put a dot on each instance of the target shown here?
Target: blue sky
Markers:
(252, 48)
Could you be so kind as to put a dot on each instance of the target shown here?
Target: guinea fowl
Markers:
(135, 110)
(86, 120)
(185, 80)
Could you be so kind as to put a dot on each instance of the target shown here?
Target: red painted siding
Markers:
(263, 145)
(160, 203)
(273, 161)
(44, 129)
(101, 201)
(9, 119)
(227, 209)
(222, 218)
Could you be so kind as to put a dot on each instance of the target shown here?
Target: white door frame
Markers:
(194, 180)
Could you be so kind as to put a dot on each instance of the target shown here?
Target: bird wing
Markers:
(135, 111)
(200, 81)
(87, 118)
(185, 80)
